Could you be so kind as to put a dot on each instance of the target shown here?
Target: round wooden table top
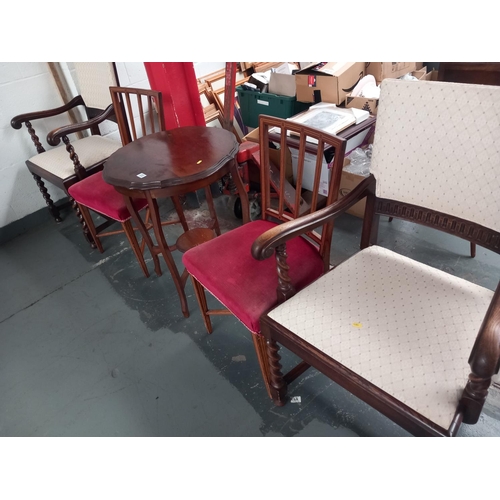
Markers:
(170, 158)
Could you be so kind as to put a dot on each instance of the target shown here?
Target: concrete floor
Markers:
(90, 347)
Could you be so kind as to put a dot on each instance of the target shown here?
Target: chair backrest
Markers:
(94, 80)
(437, 146)
(139, 112)
(300, 171)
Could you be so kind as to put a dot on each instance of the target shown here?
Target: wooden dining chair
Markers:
(65, 164)
(224, 266)
(139, 112)
(416, 343)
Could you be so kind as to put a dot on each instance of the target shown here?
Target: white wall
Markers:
(23, 87)
(29, 86)
(205, 68)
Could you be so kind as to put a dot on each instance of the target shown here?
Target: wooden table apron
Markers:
(168, 164)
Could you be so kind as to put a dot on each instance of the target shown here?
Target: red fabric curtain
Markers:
(181, 99)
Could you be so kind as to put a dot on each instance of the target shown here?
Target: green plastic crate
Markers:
(253, 104)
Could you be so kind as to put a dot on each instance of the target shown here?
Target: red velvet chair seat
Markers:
(101, 197)
(247, 287)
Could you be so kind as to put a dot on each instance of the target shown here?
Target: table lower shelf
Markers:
(193, 238)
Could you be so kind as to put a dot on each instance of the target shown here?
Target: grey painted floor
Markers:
(90, 347)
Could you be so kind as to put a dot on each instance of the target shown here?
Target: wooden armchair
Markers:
(66, 164)
(224, 266)
(419, 345)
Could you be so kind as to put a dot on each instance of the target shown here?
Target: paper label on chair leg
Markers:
(296, 399)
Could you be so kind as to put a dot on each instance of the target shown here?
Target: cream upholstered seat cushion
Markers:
(404, 326)
(90, 150)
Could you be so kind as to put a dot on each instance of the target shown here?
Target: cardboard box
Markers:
(365, 103)
(431, 76)
(328, 82)
(382, 70)
(274, 154)
(282, 80)
(420, 73)
(348, 182)
(252, 136)
(371, 105)
(281, 84)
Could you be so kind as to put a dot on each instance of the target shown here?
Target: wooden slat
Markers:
(131, 116)
(317, 175)
(141, 114)
(152, 114)
(264, 160)
(300, 173)
(283, 148)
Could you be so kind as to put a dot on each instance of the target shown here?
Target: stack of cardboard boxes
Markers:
(330, 82)
(381, 71)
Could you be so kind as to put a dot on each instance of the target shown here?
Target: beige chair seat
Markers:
(404, 326)
(90, 150)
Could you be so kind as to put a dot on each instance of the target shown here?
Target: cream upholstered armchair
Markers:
(418, 344)
(65, 164)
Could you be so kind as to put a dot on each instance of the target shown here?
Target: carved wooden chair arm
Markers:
(264, 246)
(54, 137)
(18, 120)
(484, 361)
